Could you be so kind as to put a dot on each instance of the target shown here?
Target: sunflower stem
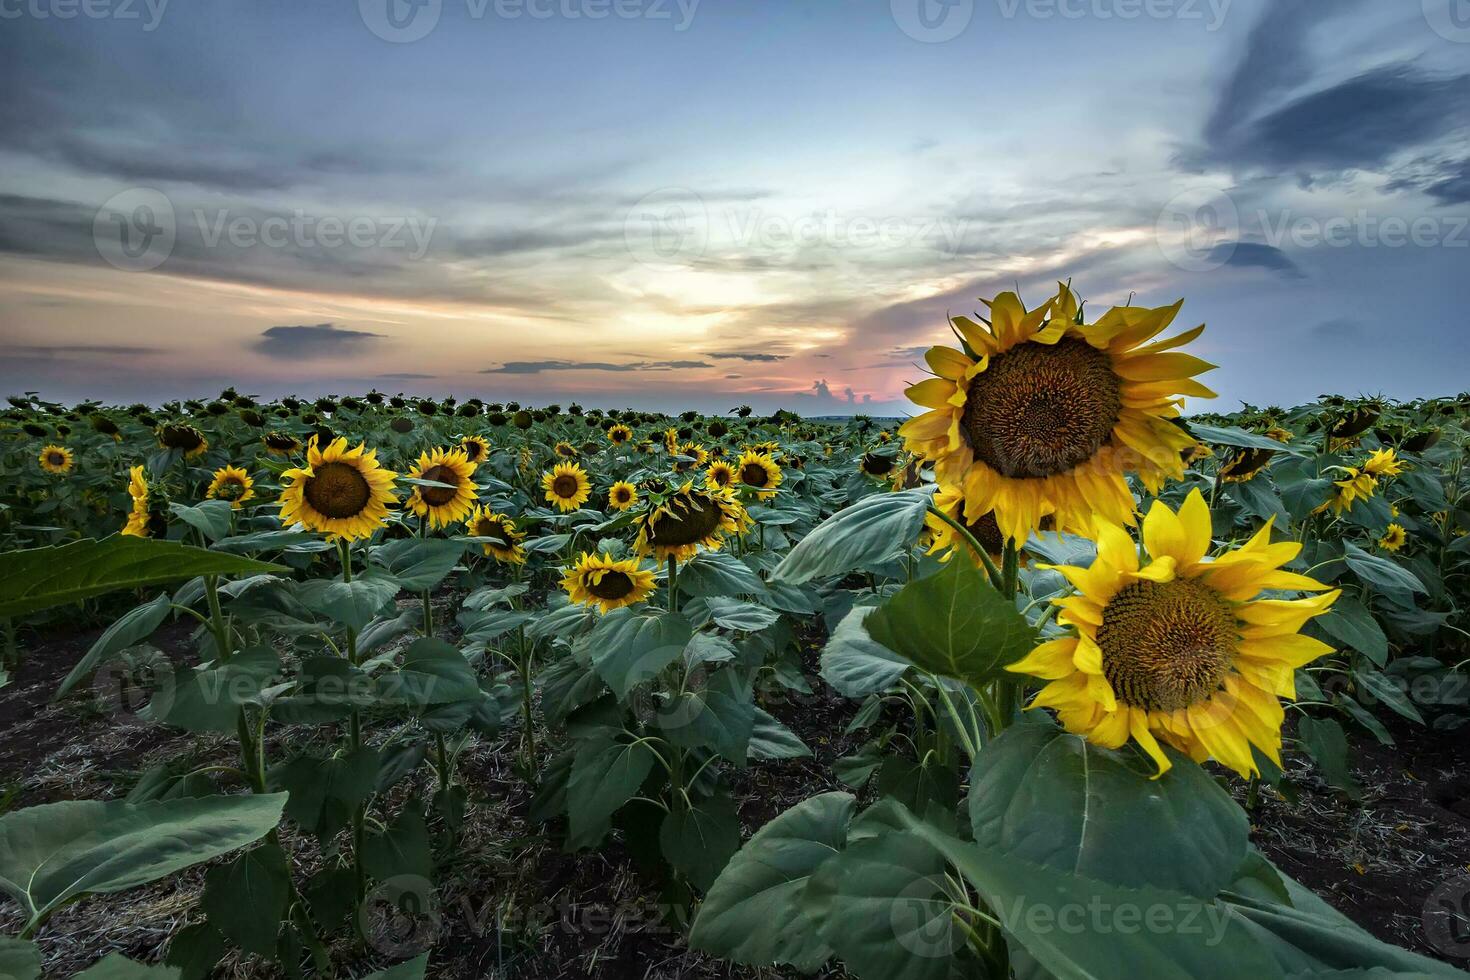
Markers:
(673, 584)
(990, 570)
(359, 814)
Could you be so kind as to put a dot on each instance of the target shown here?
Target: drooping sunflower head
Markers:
(719, 475)
(447, 504)
(877, 464)
(476, 449)
(148, 517)
(619, 434)
(56, 460)
(502, 539)
(566, 486)
(1383, 462)
(1042, 412)
(183, 437)
(1182, 648)
(233, 484)
(622, 495)
(686, 520)
(1245, 463)
(759, 472)
(565, 450)
(1394, 538)
(341, 492)
(1355, 485)
(671, 440)
(281, 444)
(607, 583)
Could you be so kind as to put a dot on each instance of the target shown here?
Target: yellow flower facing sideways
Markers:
(341, 492)
(607, 583)
(137, 525)
(566, 486)
(1383, 462)
(233, 484)
(451, 503)
(1180, 649)
(502, 539)
(1051, 414)
(56, 460)
(1394, 538)
(476, 449)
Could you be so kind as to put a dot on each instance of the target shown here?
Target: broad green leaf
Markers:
(1054, 799)
(1222, 435)
(432, 672)
(118, 967)
(352, 604)
(604, 777)
(134, 627)
(1350, 623)
(954, 624)
(209, 700)
(699, 840)
(733, 614)
(713, 573)
(403, 849)
(628, 648)
(769, 739)
(210, 518)
(299, 542)
(195, 950)
(1384, 689)
(419, 564)
(1323, 738)
(246, 898)
(1381, 573)
(717, 714)
(408, 970)
(19, 959)
(44, 577)
(55, 853)
(325, 792)
(870, 532)
(855, 664)
(753, 913)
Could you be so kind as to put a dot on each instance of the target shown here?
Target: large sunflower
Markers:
(619, 434)
(1181, 648)
(56, 460)
(1045, 412)
(233, 484)
(566, 486)
(759, 472)
(606, 583)
(687, 519)
(448, 504)
(503, 540)
(476, 449)
(622, 495)
(719, 475)
(342, 492)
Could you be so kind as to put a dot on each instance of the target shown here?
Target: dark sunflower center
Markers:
(55, 459)
(439, 496)
(1166, 646)
(987, 531)
(231, 489)
(473, 451)
(487, 528)
(1039, 409)
(621, 495)
(722, 476)
(685, 526)
(564, 487)
(877, 465)
(618, 435)
(612, 585)
(754, 475)
(337, 490)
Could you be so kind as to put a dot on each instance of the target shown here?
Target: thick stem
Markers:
(975, 546)
(673, 584)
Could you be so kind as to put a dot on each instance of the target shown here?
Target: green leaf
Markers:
(628, 648)
(717, 714)
(1324, 740)
(134, 627)
(604, 777)
(419, 564)
(855, 664)
(209, 700)
(325, 792)
(118, 967)
(954, 624)
(403, 850)
(19, 960)
(433, 672)
(733, 614)
(55, 853)
(246, 898)
(44, 577)
(195, 950)
(299, 542)
(408, 970)
(1220, 435)
(1350, 623)
(769, 739)
(352, 604)
(1385, 690)
(699, 840)
(1380, 572)
(870, 532)
(754, 913)
(210, 518)
(1054, 799)
(718, 573)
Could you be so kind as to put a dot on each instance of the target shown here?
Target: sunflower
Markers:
(695, 450)
(943, 537)
(1180, 649)
(1243, 464)
(186, 438)
(143, 521)
(1356, 485)
(444, 505)
(476, 449)
(1383, 462)
(876, 464)
(233, 484)
(566, 486)
(56, 459)
(619, 434)
(759, 472)
(687, 519)
(565, 450)
(622, 495)
(281, 444)
(1279, 434)
(1394, 538)
(719, 475)
(342, 492)
(671, 441)
(1045, 412)
(606, 583)
(503, 540)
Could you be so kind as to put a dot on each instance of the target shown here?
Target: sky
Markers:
(671, 204)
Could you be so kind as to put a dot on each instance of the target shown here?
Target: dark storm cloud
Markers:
(738, 355)
(1452, 185)
(538, 367)
(1256, 255)
(317, 340)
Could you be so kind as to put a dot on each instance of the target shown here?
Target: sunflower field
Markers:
(1055, 678)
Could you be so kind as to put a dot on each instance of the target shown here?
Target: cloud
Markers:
(742, 355)
(96, 350)
(1256, 255)
(406, 376)
(1453, 185)
(539, 367)
(317, 340)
